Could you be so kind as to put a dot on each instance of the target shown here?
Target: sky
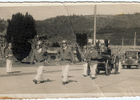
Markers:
(41, 11)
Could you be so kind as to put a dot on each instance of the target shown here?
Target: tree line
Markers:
(115, 26)
(22, 28)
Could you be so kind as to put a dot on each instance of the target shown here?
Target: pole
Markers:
(122, 42)
(135, 41)
(95, 25)
(122, 45)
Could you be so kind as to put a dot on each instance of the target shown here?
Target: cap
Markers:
(64, 41)
(84, 47)
(39, 43)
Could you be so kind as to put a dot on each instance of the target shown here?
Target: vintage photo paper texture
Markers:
(69, 50)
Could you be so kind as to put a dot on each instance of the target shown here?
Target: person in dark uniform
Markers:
(39, 55)
(9, 58)
(66, 57)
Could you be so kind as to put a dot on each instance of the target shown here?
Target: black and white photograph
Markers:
(69, 50)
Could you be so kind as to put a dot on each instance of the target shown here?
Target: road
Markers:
(20, 83)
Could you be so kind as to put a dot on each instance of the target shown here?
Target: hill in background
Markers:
(112, 27)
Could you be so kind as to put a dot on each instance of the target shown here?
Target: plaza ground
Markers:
(20, 83)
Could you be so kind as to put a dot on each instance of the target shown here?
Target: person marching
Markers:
(85, 65)
(66, 57)
(90, 55)
(39, 55)
(119, 60)
(9, 57)
(93, 62)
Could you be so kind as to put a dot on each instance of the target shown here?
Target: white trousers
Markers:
(120, 66)
(85, 65)
(8, 65)
(93, 70)
(65, 70)
(39, 75)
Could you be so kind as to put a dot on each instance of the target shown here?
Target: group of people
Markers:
(66, 58)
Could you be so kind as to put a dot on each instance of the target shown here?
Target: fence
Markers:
(125, 41)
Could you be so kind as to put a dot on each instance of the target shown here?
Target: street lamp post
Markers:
(94, 25)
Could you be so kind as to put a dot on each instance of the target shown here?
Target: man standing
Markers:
(66, 57)
(38, 55)
(9, 57)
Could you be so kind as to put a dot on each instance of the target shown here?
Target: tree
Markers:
(20, 30)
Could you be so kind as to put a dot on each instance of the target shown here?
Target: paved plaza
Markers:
(20, 83)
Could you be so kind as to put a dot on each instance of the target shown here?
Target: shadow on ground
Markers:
(48, 80)
(18, 73)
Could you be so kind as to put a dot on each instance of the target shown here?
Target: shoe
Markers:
(42, 81)
(93, 78)
(35, 81)
(64, 83)
(85, 75)
(118, 73)
(9, 73)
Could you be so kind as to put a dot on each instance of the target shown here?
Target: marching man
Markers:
(66, 57)
(93, 62)
(85, 65)
(39, 56)
(119, 58)
(9, 57)
(90, 55)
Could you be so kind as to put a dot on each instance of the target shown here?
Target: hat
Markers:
(102, 44)
(64, 41)
(93, 46)
(84, 47)
(39, 43)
